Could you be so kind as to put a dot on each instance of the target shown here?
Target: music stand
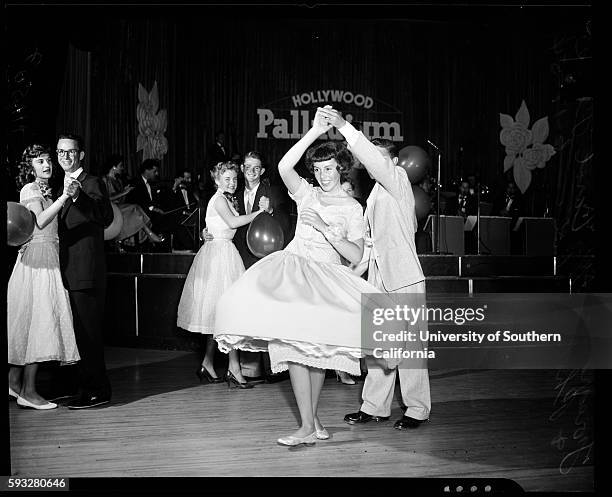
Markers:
(192, 220)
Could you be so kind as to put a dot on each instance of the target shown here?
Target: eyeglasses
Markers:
(65, 153)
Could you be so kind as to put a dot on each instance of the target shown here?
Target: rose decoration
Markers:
(525, 148)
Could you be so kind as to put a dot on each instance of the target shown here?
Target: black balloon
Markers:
(422, 202)
(415, 161)
(264, 235)
(19, 224)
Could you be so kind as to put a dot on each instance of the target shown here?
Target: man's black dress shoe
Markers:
(87, 401)
(276, 377)
(61, 396)
(362, 417)
(408, 422)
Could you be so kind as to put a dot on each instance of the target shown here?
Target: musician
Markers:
(509, 204)
(465, 203)
(147, 194)
(182, 213)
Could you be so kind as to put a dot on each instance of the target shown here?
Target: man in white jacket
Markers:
(393, 267)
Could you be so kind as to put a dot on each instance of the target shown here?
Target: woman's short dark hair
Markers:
(34, 150)
(222, 167)
(148, 164)
(330, 150)
(112, 161)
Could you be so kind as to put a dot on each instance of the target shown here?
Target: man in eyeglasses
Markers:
(81, 233)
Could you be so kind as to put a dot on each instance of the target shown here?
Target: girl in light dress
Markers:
(39, 318)
(215, 267)
(302, 304)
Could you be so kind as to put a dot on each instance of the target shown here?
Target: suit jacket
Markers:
(181, 217)
(516, 208)
(81, 232)
(179, 201)
(391, 217)
(471, 206)
(139, 195)
(280, 213)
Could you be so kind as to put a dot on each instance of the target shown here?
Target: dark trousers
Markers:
(88, 312)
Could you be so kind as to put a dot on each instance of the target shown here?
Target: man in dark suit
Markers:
(464, 204)
(217, 152)
(147, 195)
(248, 196)
(509, 204)
(81, 232)
(184, 202)
(144, 192)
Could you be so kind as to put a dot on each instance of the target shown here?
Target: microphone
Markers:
(434, 146)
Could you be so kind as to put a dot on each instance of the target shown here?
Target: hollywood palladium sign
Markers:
(291, 117)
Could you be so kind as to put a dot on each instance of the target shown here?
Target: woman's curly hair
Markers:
(221, 167)
(330, 150)
(25, 173)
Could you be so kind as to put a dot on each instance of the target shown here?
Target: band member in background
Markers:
(183, 216)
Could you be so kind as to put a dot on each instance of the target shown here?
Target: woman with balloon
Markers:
(305, 305)
(39, 317)
(215, 267)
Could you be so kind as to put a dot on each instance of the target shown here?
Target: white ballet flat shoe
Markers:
(322, 434)
(291, 440)
(12, 393)
(26, 403)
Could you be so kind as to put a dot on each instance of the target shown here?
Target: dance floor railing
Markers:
(144, 289)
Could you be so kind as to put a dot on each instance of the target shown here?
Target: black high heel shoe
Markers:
(231, 380)
(205, 375)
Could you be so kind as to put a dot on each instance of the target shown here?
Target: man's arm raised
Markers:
(380, 167)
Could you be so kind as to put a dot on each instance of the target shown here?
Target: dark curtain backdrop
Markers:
(75, 99)
(450, 81)
(449, 76)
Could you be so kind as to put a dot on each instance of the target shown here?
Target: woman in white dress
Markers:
(305, 305)
(39, 318)
(215, 267)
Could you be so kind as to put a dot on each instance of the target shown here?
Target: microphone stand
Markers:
(478, 217)
(438, 186)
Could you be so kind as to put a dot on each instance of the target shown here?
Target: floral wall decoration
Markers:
(525, 148)
(151, 124)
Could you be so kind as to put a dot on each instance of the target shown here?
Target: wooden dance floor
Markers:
(163, 422)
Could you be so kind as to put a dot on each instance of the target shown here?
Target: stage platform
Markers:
(515, 424)
(144, 289)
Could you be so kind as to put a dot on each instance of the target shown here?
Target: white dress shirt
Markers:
(249, 197)
(74, 175)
